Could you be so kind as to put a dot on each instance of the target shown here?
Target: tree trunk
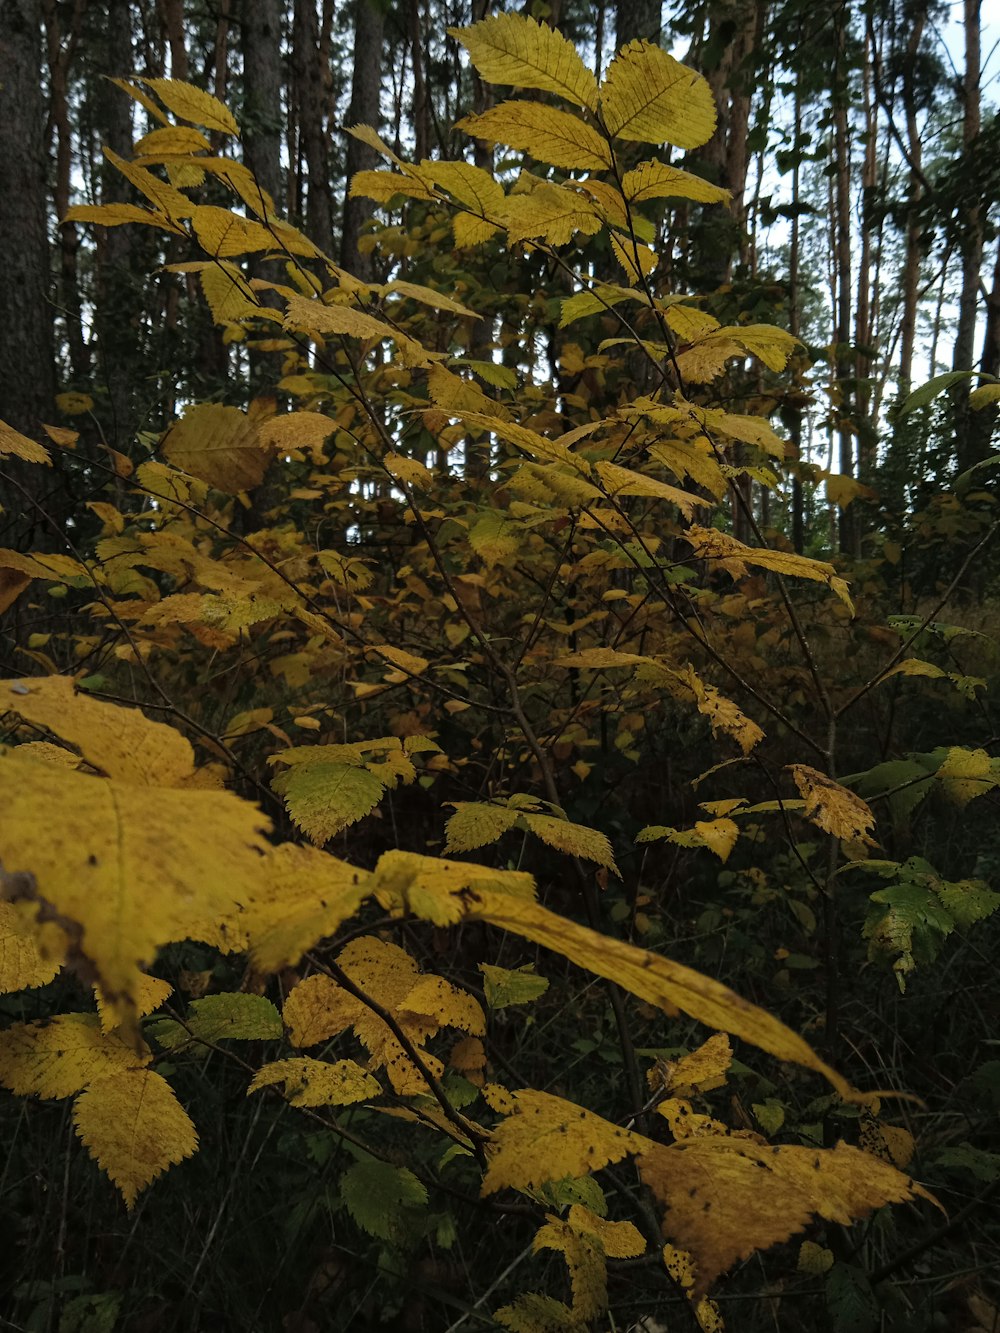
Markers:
(637, 19)
(366, 87)
(970, 246)
(27, 367)
(312, 73)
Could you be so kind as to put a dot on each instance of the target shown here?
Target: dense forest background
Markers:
(440, 549)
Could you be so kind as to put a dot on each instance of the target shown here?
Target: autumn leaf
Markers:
(58, 1056)
(22, 964)
(308, 1082)
(512, 49)
(649, 96)
(14, 444)
(727, 1197)
(546, 1138)
(189, 103)
(125, 868)
(832, 807)
(120, 742)
(217, 444)
(305, 897)
(324, 798)
(403, 882)
(548, 134)
(133, 1126)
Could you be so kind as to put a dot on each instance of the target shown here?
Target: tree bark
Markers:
(312, 73)
(637, 19)
(365, 109)
(970, 245)
(27, 365)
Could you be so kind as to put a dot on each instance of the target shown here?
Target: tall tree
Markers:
(27, 366)
(311, 68)
(366, 84)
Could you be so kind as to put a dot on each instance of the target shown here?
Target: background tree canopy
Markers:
(498, 743)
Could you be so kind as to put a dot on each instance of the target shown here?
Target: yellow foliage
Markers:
(966, 774)
(548, 1138)
(511, 49)
(127, 868)
(656, 180)
(22, 964)
(726, 1197)
(548, 134)
(318, 320)
(309, 1082)
(403, 880)
(119, 742)
(189, 103)
(217, 444)
(134, 1127)
(14, 444)
(832, 807)
(58, 1056)
(649, 96)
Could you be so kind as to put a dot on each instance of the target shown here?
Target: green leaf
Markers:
(235, 1016)
(850, 1301)
(476, 824)
(384, 1200)
(505, 986)
(939, 384)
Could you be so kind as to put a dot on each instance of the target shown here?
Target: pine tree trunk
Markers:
(27, 369)
(365, 109)
(970, 247)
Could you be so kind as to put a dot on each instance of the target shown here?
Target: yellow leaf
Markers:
(224, 234)
(410, 471)
(600, 659)
(547, 1138)
(12, 442)
(550, 213)
(636, 259)
(309, 1082)
(619, 1240)
(523, 437)
(323, 798)
(984, 396)
(655, 180)
(727, 1197)
(573, 839)
(456, 891)
(649, 96)
(314, 317)
(416, 291)
(22, 964)
(477, 823)
(511, 49)
(172, 204)
(588, 1271)
(711, 544)
(766, 342)
(718, 835)
(118, 215)
(297, 430)
(383, 186)
(832, 807)
(57, 1056)
(531, 1312)
(914, 666)
(966, 774)
(120, 742)
(219, 445)
(172, 140)
(187, 102)
(680, 1265)
(548, 134)
(317, 1009)
(843, 491)
(151, 994)
(686, 458)
(495, 538)
(307, 895)
(132, 867)
(228, 294)
(723, 715)
(701, 1071)
(133, 1126)
(621, 481)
